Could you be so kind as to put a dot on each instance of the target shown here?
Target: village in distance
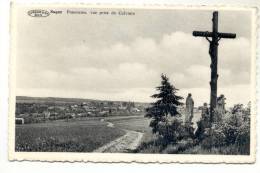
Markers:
(166, 126)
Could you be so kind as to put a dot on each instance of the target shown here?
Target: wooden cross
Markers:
(213, 51)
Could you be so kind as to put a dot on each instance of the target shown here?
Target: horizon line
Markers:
(83, 99)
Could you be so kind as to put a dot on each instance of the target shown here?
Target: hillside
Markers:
(25, 99)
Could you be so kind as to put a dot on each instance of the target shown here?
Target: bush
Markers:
(200, 132)
(243, 139)
(214, 137)
(174, 130)
(233, 132)
(172, 137)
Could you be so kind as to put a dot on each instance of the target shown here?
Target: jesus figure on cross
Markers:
(213, 52)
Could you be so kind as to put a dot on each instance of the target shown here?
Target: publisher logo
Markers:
(38, 13)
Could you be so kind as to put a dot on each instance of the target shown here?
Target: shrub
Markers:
(233, 133)
(214, 137)
(243, 139)
(173, 130)
(202, 125)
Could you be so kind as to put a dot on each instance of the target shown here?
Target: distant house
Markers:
(91, 114)
(74, 106)
(86, 108)
(46, 114)
(51, 108)
(122, 108)
(61, 108)
(84, 103)
(19, 121)
(89, 108)
(70, 115)
(103, 113)
(135, 110)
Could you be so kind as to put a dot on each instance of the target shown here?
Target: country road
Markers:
(132, 139)
(129, 141)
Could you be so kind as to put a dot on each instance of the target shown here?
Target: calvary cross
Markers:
(213, 51)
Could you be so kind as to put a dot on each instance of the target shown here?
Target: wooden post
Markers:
(214, 66)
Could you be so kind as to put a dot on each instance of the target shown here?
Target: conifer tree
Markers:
(165, 105)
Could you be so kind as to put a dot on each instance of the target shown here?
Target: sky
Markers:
(122, 57)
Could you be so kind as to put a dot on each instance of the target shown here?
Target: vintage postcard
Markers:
(132, 83)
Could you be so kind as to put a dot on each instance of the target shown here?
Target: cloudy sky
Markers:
(122, 57)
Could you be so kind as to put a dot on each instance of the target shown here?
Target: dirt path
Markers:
(129, 141)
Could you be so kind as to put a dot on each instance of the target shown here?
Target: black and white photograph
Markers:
(164, 82)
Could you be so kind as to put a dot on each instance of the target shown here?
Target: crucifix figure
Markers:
(213, 52)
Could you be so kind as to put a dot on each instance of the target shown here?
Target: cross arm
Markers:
(226, 35)
(210, 34)
(202, 34)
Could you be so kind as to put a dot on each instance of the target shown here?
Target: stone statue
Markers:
(189, 109)
(220, 107)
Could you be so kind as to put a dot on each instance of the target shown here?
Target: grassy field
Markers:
(60, 136)
(135, 123)
(81, 135)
